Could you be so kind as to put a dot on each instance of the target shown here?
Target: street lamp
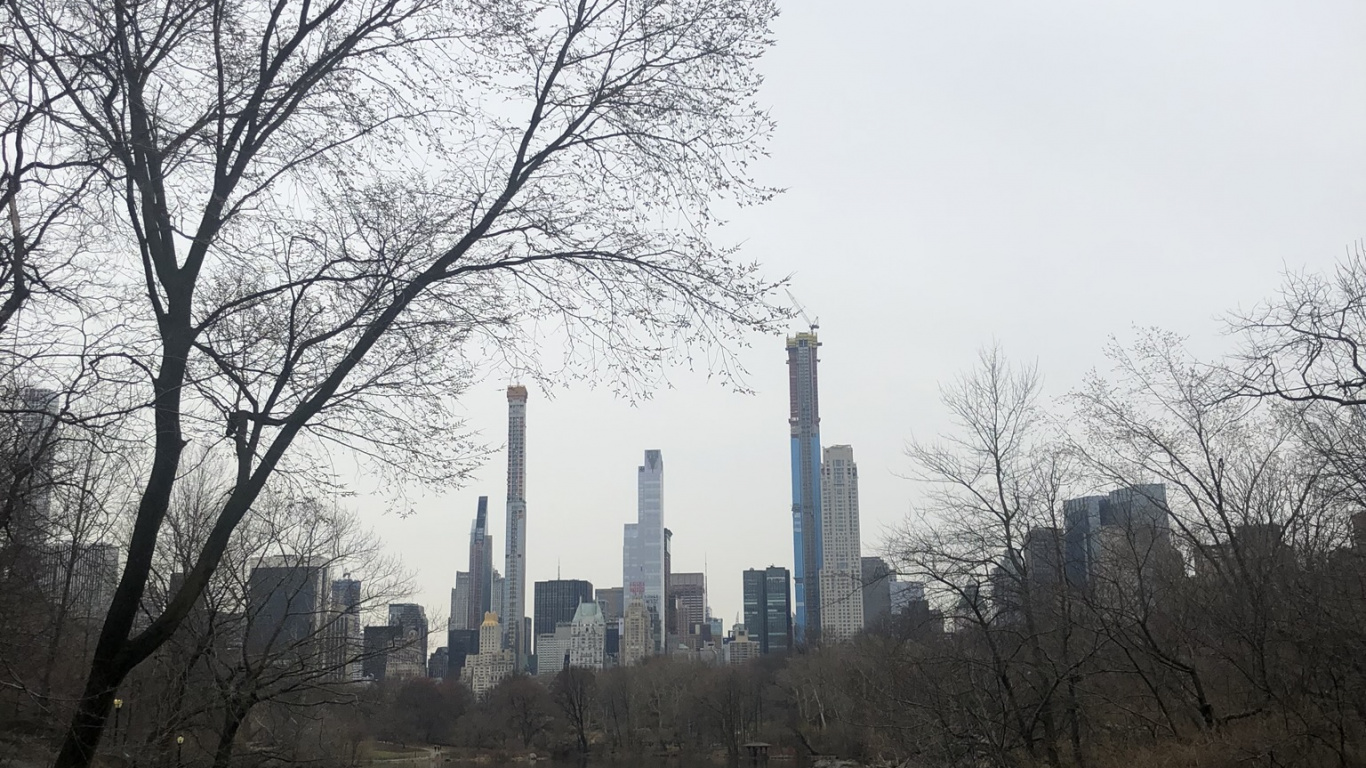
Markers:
(179, 750)
(118, 707)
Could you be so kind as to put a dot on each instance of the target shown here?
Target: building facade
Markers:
(515, 563)
(487, 668)
(409, 659)
(480, 599)
(460, 602)
(877, 592)
(588, 637)
(768, 608)
(841, 575)
(637, 639)
(612, 602)
(804, 422)
(558, 600)
(643, 568)
(286, 604)
(688, 599)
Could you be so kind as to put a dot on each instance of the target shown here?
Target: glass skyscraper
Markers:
(805, 422)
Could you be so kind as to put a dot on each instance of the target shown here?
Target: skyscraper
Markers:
(688, 596)
(613, 603)
(346, 637)
(841, 567)
(637, 639)
(877, 592)
(460, 602)
(480, 599)
(286, 600)
(768, 608)
(643, 550)
(557, 601)
(805, 422)
(588, 637)
(515, 564)
(410, 658)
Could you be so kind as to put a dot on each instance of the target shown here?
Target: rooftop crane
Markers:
(814, 324)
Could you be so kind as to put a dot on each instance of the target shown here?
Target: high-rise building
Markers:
(877, 592)
(500, 596)
(637, 639)
(643, 549)
(841, 574)
(742, 648)
(378, 643)
(460, 645)
(80, 577)
(481, 568)
(805, 422)
(460, 601)
(410, 658)
(515, 563)
(1121, 531)
(345, 646)
(492, 663)
(688, 596)
(768, 608)
(286, 604)
(30, 456)
(612, 602)
(669, 611)
(588, 637)
(557, 601)
(552, 649)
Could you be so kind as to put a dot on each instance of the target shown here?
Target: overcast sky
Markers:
(1046, 175)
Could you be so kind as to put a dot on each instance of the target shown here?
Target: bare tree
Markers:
(301, 281)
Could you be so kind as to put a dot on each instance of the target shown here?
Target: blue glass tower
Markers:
(805, 423)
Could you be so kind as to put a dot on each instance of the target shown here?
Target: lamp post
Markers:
(179, 751)
(118, 707)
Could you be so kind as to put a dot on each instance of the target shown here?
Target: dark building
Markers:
(379, 642)
(438, 664)
(556, 601)
(412, 620)
(768, 608)
(286, 604)
(612, 602)
(1043, 556)
(687, 599)
(1136, 514)
(481, 568)
(460, 644)
(877, 592)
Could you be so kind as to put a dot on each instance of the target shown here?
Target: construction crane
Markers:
(814, 324)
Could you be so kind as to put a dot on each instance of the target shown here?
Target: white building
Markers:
(484, 670)
(841, 579)
(552, 650)
(643, 545)
(588, 637)
(741, 648)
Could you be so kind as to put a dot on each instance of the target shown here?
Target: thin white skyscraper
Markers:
(643, 545)
(841, 577)
(515, 564)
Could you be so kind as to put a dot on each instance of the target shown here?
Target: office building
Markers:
(877, 592)
(841, 575)
(637, 638)
(480, 600)
(688, 598)
(557, 601)
(378, 643)
(588, 637)
(81, 578)
(345, 639)
(742, 648)
(286, 604)
(410, 658)
(768, 608)
(515, 563)
(32, 454)
(612, 603)
(1118, 538)
(552, 649)
(804, 421)
(460, 645)
(643, 567)
(438, 665)
(460, 601)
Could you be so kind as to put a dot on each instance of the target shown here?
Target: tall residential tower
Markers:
(805, 422)
(480, 595)
(643, 547)
(515, 567)
(841, 563)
